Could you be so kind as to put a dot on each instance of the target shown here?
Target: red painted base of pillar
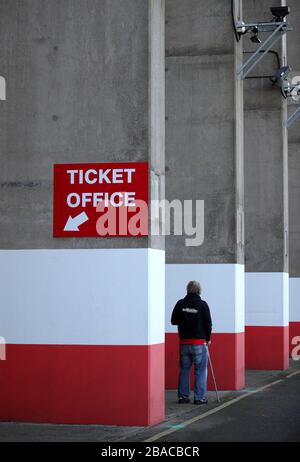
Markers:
(80, 384)
(267, 347)
(228, 357)
(294, 332)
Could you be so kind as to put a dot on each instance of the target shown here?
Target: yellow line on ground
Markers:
(292, 374)
(212, 411)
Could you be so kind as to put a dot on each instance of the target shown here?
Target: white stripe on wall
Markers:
(87, 297)
(156, 296)
(267, 299)
(223, 289)
(294, 299)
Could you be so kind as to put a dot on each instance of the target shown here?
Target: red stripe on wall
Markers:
(267, 347)
(82, 384)
(294, 332)
(228, 357)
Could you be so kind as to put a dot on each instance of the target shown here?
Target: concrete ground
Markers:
(268, 409)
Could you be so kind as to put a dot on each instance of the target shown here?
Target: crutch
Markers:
(213, 375)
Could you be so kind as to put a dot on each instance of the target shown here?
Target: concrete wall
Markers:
(71, 68)
(264, 143)
(85, 83)
(204, 161)
(266, 206)
(293, 54)
(200, 101)
(294, 146)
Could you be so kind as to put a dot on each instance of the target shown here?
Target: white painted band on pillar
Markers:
(267, 299)
(223, 289)
(82, 297)
(294, 299)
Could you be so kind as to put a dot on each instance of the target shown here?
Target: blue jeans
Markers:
(190, 354)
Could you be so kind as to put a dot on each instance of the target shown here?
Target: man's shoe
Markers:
(182, 400)
(200, 401)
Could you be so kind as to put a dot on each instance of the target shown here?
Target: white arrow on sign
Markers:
(73, 223)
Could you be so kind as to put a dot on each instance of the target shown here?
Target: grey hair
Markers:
(194, 287)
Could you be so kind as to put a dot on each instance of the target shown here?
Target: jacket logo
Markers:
(190, 310)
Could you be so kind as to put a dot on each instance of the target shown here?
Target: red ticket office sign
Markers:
(100, 200)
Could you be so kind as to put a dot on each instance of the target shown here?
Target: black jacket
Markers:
(192, 316)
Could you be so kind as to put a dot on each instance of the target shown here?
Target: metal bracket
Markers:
(292, 118)
(280, 29)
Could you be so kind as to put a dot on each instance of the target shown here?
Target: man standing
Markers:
(192, 316)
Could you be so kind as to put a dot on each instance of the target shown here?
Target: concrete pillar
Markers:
(83, 318)
(266, 208)
(293, 47)
(204, 161)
